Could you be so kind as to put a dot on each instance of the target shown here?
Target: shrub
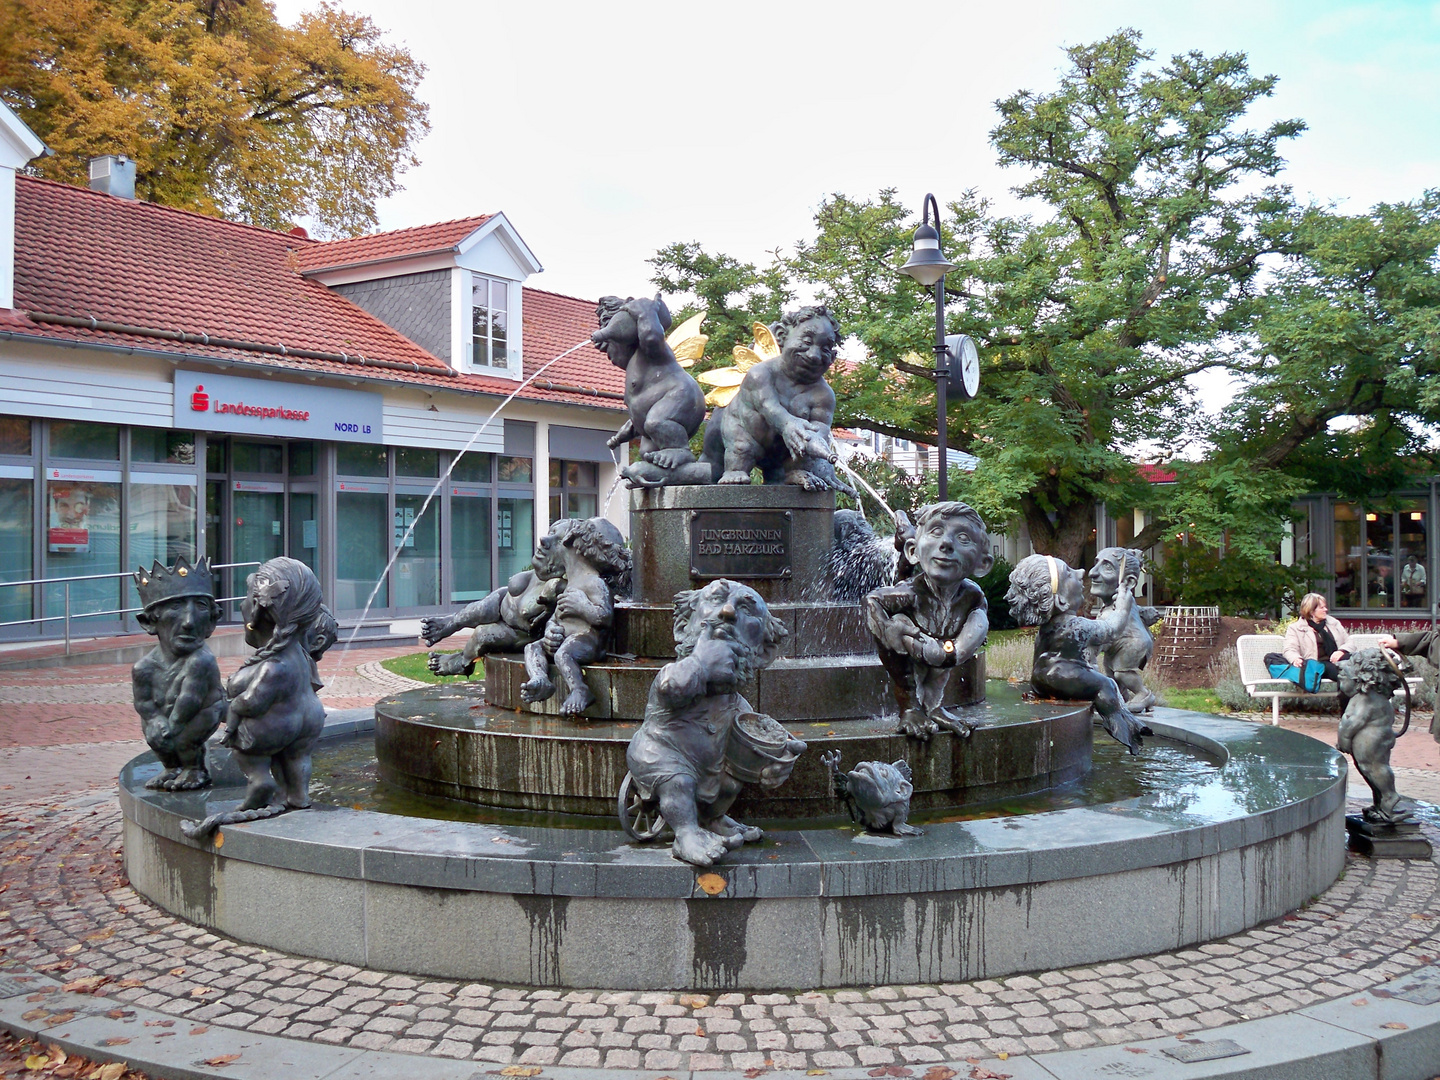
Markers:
(1237, 584)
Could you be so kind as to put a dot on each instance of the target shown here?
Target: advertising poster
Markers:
(69, 521)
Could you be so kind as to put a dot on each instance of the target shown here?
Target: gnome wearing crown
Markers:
(178, 692)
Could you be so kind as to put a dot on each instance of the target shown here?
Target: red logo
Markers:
(200, 401)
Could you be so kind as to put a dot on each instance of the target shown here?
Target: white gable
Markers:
(497, 249)
(18, 146)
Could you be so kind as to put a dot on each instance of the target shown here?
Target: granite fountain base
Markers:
(812, 907)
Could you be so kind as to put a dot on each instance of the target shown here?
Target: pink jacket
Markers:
(1300, 642)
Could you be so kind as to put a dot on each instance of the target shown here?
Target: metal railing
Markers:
(68, 615)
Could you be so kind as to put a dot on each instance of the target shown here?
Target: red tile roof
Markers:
(1155, 474)
(82, 254)
(433, 239)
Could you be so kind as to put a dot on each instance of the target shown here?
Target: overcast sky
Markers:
(606, 130)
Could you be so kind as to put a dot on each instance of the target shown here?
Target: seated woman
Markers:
(1317, 635)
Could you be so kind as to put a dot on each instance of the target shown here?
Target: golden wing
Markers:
(745, 357)
(725, 377)
(765, 343)
(722, 395)
(686, 341)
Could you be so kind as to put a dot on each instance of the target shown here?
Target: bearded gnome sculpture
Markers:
(701, 742)
(177, 687)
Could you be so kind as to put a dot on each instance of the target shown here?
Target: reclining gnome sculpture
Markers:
(275, 716)
(1047, 593)
(508, 619)
(935, 618)
(665, 402)
(177, 686)
(700, 742)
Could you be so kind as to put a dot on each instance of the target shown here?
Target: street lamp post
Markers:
(927, 265)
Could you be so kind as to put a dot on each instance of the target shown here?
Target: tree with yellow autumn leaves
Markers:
(223, 109)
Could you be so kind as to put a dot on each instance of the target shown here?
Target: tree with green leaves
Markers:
(223, 109)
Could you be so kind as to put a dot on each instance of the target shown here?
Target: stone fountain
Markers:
(506, 860)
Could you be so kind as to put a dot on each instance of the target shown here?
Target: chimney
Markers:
(18, 145)
(113, 174)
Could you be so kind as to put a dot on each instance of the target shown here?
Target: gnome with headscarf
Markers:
(275, 716)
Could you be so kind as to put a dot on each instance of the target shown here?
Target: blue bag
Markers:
(1307, 676)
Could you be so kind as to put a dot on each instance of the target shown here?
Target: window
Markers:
(360, 459)
(473, 467)
(489, 322)
(97, 442)
(157, 446)
(413, 461)
(267, 459)
(15, 435)
(574, 489)
(1347, 566)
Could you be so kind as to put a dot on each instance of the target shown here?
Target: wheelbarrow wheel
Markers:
(640, 818)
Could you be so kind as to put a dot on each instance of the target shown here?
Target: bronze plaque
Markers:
(739, 543)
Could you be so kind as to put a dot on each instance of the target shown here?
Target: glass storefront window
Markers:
(362, 547)
(1347, 569)
(156, 445)
(302, 459)
(214, 518)
(359, 459)
(417, 566)
(267, 459)
(16, 545)
(15, 435)
(1379, 559)
(470, 547)
(161, 523)
(215, 454)
(413, 461)
(472, 468)
(573, 491)
(515, 470)
(1413, 553)
(93, 442)
(304, 529)
(514, 535)
(257, 519)
(82, 537)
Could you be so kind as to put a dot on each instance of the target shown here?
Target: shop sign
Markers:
(267, 407)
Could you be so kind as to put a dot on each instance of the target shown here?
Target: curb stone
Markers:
(1390, 1032)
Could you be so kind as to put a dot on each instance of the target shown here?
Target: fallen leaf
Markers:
(711, 884)
(819, 1072)
(128, 984)
(100, 935)
(700, 1032)
(938, 1072)
(1396, 1025)
(159, 1023)
(1359, 1001)
(36, 1062)
(120, 1014)
(1136, 1050)
(520, 1070)
(58, 965)
(58, 1056)
(752, 1073)
(694, 1001)
(73, 949)
(891, 1070)
(1003, 1056)
(978, 1073)
(201, 991)
(35, 1014)
(116, 1040)
(226, 1059)
(86, 985)
(113, 1070)
(62, 1017)
(200, 1030)
(177, 972)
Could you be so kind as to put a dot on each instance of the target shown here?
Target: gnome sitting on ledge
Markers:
(178, 692)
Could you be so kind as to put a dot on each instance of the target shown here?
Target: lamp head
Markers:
(927, 264)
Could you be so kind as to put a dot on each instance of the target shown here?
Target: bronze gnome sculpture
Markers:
(700, 741)
(1367, 729)
(1126, 654)
(779, 421)
(876, 794)
(509, 618)
(275, 716)
(936, 618)
(596, 569)
(1047, 593)
(177, 686)
(665, 402)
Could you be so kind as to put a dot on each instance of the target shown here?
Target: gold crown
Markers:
(159, 584)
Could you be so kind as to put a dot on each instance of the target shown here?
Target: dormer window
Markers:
(489, 319)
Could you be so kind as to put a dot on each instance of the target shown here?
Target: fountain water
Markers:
(445, 476)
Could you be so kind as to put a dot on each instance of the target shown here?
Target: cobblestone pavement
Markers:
(65, 908)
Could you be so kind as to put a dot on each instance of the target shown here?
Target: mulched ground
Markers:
(1193, 672)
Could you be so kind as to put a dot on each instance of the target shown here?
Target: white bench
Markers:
(1251, 650)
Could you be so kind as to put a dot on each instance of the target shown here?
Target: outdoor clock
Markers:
(964, 363)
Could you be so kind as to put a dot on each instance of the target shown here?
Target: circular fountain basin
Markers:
(1218, 850)
(445, 740)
